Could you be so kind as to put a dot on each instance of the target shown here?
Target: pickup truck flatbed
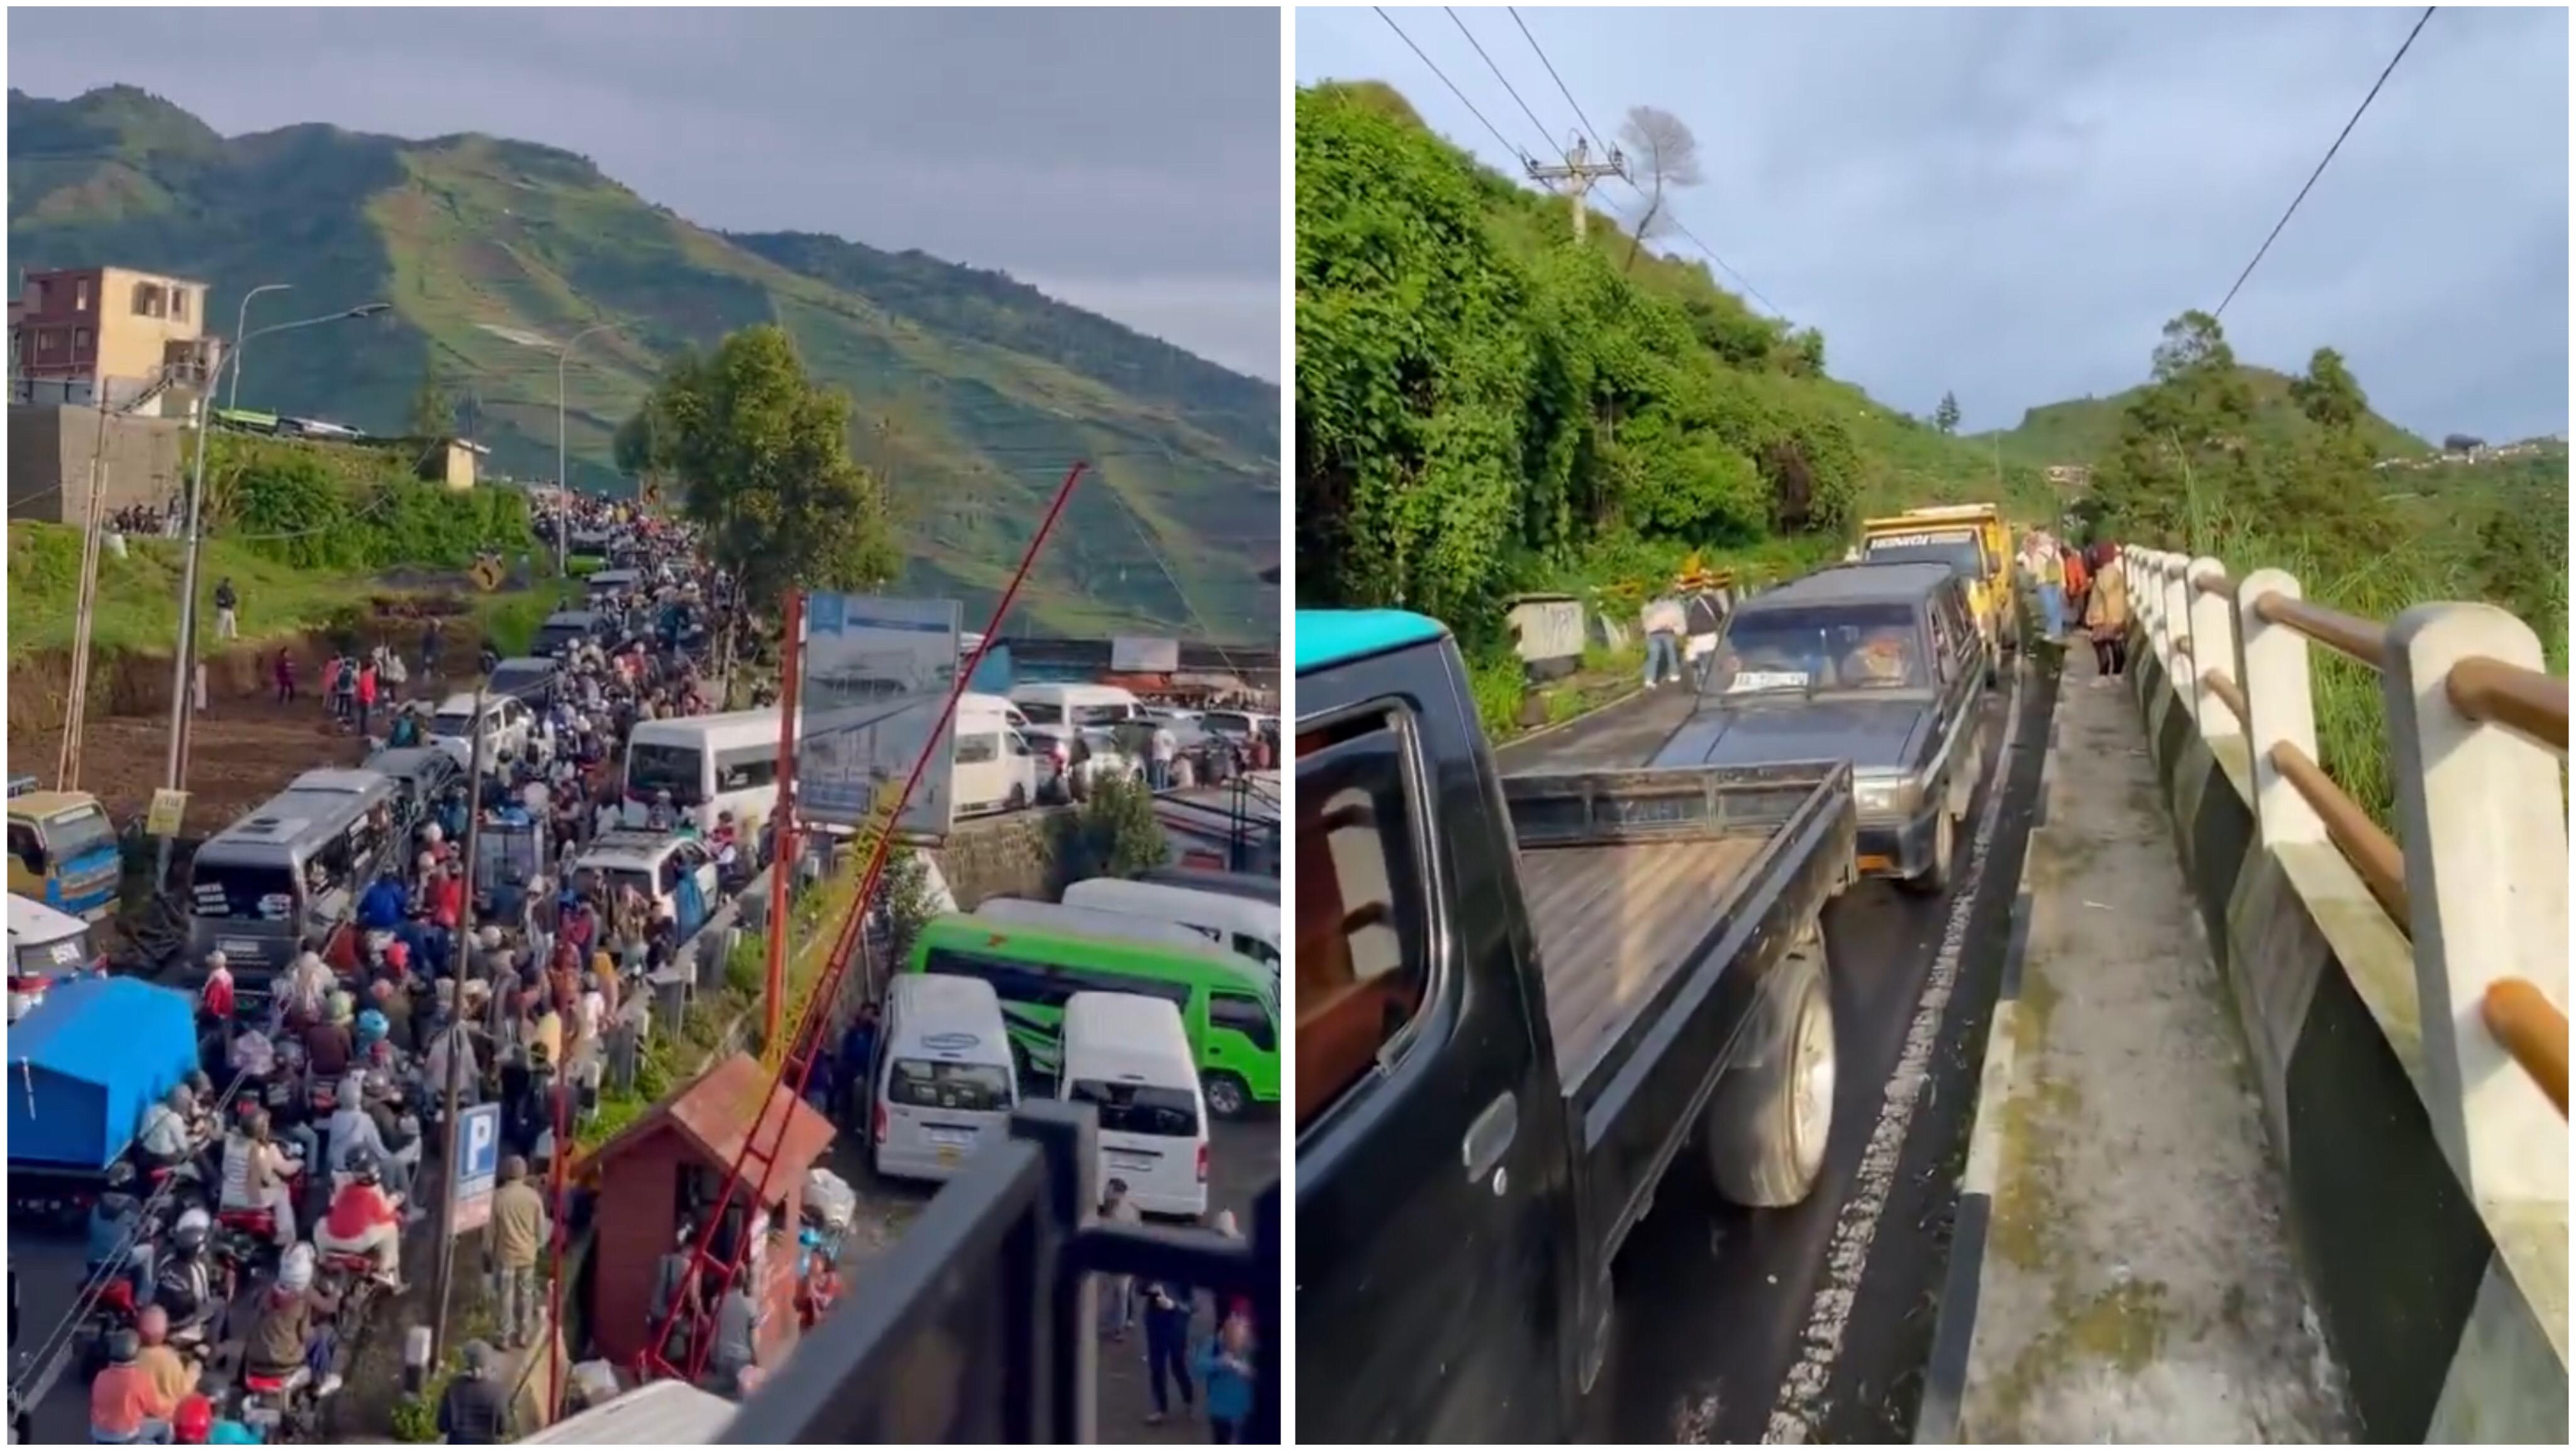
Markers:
(1614, 923)
(1553, 981)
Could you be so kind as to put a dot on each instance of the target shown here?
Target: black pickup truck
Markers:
(1520, 998)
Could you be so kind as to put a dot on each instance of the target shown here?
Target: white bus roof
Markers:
(1052, 691)
(1178, 904)
(33, 921)
(656, 1413)
(1093, 922)
(1128, 1035)
(733, 727)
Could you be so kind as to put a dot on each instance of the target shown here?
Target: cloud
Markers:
(2009, 204)
(1133, 153)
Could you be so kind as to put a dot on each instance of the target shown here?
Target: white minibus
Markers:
(1090, 922)
(1238, 924)
(710, 764)
(944, 1081)
(1076, 705)
(993, 769)
(1129, 1058)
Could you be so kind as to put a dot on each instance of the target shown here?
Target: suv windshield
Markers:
(1826, 647)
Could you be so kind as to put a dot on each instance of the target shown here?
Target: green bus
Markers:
(1228, 1011)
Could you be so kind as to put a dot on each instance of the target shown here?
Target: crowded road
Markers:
(1813, 1322)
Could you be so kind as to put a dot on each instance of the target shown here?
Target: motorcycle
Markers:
(287, 1408)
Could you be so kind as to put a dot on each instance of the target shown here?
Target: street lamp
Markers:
(183, 669)
(563, 479)
(241, 327)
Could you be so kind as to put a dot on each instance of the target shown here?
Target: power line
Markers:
(1590, 130)
(1444, 80)
(1508, 89)
(1678, 225)
(2328, 161)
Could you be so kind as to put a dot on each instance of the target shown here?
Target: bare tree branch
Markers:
(1668, 153)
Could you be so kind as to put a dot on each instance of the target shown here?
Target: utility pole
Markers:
(455, 1050)
(784, 857)
(67, 765)
(1579, 176)
(184, 668)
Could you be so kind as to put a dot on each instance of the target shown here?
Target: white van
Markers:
(944, 1081)
(46, 947)
(1076, 705)
(656, 1413)
(1238, 924)
(710, 764)
(1089, 922)
(1129, 1058)
(993, 769)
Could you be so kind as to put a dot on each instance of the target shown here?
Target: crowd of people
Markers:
(2086, 588)
(496, 981)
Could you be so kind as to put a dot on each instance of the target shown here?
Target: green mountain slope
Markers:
(973, 393)
(2082, 430)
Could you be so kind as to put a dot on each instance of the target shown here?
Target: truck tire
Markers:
(1227, 1097)
(1933, 880)
(1769, 1121)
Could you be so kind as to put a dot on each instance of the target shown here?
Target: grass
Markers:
(138, 596)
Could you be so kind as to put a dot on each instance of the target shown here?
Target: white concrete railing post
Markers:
(2486, 885)
(2213, 647)
(2177, 608)
(2272, 672)
(2142, 588)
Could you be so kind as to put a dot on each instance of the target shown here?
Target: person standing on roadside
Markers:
(285, 676)
(366, 693)
(2106, 614)
(2047, 580)
(1665, 625)
(227, 623)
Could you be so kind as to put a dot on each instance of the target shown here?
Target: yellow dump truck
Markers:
(1972, 539)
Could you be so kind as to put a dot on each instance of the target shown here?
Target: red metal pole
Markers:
(797, 1065)
(783, 857)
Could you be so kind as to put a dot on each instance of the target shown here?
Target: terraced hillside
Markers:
(973, 392)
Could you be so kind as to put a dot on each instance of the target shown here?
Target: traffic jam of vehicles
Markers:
(1641, 930)
(223, 1165)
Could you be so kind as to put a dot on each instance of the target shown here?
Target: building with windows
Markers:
(105, 333)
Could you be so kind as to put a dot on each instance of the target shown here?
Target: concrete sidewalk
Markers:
(2134, 1279)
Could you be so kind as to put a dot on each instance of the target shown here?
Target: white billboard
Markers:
(876, 673)
(1144, 655)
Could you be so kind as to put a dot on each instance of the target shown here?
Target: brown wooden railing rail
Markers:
(2203, 626)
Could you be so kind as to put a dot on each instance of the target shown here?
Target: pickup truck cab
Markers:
(1875, 664)
(1520, 999)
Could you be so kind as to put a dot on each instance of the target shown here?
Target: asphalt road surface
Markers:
(1243, 1160)
(1812, 1323)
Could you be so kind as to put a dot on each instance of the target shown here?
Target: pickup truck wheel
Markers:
(1226, 1096)
(1935, 879)
(1769, 1122)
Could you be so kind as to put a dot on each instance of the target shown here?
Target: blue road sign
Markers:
(478, 1163)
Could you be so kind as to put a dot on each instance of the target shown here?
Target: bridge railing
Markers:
(2477, 732)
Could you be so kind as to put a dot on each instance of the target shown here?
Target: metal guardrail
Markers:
(2478, 738)
(984, 1328)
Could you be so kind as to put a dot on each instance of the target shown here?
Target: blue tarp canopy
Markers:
(86, 1063)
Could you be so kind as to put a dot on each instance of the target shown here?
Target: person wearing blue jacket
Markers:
(384, 904)
(1225, 1365)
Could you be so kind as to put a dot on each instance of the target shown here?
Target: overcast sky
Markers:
(1126, 161)
(2010, 204)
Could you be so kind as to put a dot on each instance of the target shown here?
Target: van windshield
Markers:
(956, 1087)
(652, 767)
(1093, 715)
(74, 833)
(243, 893)
(1139, 1108)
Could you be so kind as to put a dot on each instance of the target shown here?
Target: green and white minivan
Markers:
(1224, 999)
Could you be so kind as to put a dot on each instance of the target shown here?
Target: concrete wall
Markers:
(2447, 1308)
(49, 457)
